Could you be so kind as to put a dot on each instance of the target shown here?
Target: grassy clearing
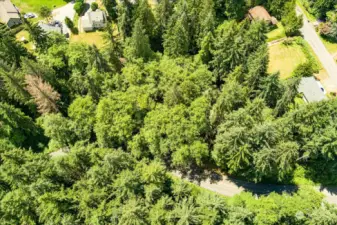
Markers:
(89, 38)
(25, 34)
(35, 5)
(277, 33)
(285, 59)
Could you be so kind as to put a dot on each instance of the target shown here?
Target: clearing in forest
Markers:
(285, 58)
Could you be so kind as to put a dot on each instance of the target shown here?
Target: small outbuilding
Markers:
(93, 20)
(260, 13)
(9, 14)
(311, 89)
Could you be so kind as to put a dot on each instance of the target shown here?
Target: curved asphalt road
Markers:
(309, 34)
(230, 187)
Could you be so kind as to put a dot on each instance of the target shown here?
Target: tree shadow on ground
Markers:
(323, 173)
(198, 175)
(86, 8)
(263, 188)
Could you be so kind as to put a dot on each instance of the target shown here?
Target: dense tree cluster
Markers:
(93, 185)
(320, 8)
(181, 85)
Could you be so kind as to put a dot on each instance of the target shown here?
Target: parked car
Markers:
(29, 15)
(55, 23)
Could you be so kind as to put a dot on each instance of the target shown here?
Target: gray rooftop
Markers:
(8, 6)
(96, 16)
(311, 89)
(8, 10)
(48, 28)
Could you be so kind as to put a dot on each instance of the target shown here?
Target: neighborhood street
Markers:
(310, 35)
(230, 186)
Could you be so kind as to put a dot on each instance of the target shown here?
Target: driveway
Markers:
(310, 35)
(65, 11)
(229, 186)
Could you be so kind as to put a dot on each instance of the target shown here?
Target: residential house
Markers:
(9, 14)
(93, 20)
(49, 28)
(311, 89)
(260, 13)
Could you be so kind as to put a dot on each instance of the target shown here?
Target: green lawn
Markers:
(89, 38)
(35, 5)
(285, 59)
(25, 34)
(276, 33)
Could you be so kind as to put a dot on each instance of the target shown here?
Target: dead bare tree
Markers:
(43, 94)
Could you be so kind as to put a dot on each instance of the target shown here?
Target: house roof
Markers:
(48, 28)
(312, 90)
(92, 17)
(8, 11)
(260, 13)
(96, 16)
(86, 21)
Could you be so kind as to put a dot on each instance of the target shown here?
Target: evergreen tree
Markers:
(162, 14)
(176, 38)
(289, 94)
(138, 45)
(13, 83)
(144, 14)
(124, 19)
(10, 49)
(18, 128)
(36, 34)
(111, 8)
(112, 48)
(207, 21)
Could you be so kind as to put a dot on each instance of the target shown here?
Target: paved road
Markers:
(61, 13)
(310, 35)
(230, 187)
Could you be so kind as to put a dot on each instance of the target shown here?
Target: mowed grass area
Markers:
(285, 58)
(25, 34)
(35, 5)
(276, 33)
(89, 38)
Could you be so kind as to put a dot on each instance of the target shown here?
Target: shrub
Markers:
(45, 12)
(304, 70)
(94, 6)
(74, 30)
(79, 7)
(69, 23)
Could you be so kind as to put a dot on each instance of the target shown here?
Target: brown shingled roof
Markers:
(259, 13)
